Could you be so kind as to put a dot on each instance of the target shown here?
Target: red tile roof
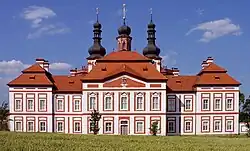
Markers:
(67, 84)
(181, 83)
(35, 68)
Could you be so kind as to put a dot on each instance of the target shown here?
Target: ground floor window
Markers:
(217, 125)
(188, 126)
(229, 125)
(60, 127)
(205, 126)
(77, 127)
(171, 126)
(42, 126)
(18, 126)
(139, 126)
(108, 127)
(30, 126)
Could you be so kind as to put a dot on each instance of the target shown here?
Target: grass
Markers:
(10, 141)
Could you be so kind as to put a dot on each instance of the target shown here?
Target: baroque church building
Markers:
(129, 89)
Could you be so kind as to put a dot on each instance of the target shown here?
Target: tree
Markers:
(245, 114)
(95, 117)
(154, 128)
(4, 113)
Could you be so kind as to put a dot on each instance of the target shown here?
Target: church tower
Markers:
(96, 51)
(151, 50)
(124, 40)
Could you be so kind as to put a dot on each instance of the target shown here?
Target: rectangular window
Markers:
(77, 105)
(42, 105)
(155, 103)
(229, 125)
(217, 125)
(139, 103)
(18, 105)
(188, 126)
(30, 126)
(59, 105)
(188, 105)
(139, 127)
(171, 126)
(60, 127)
(217, 104)
(18, 126)
(108, 127)
(229, 104)
(42, 126)
(205, 126)
(171, 105)
(124, 103)
(92, 103)
(205, 104)
(108, 103)
(30, 105)
(77, 127)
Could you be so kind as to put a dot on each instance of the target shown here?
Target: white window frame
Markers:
(173, 130)
(77, 105)
(21, 126)
(232, 101)
(217, 130)
(136, 126)
(105, 102)
(124, 95)
(205, 124)
(16, 104)
(92, 105)
(185, 128)
(28, 104)
(232, 122)
(57, 126)
(155, 95)
(186, 104)
(76, 130)
(137, 102)
(215, 104)
(58, 105)
(111, 126)
(204, 104)
(172, 105)
(40, 127)
(42, 109)
(33, 126)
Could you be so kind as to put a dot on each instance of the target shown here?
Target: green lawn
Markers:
(54, 142)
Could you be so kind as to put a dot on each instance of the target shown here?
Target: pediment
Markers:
(123, 82)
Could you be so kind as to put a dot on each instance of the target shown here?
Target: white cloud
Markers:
(169, 59)
(60, 66)
(38, 15)
(200, 11)
(216, 29)
(12, 67)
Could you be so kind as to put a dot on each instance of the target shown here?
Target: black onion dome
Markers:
(97, 25)
(97, 50)
(151, 25)
(124, 30)
(151, 50)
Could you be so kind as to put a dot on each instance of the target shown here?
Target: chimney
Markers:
(73, 72)
(210, 60)
(40, 61)
(46, 65)
(176, 71)
(204, 64)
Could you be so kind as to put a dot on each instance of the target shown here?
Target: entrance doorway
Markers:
(124, 128)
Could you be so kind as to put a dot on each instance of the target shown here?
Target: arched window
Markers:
(155, 101)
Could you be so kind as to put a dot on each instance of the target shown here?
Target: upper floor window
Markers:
(108, 102)
(171, 104)
(217, 104)
(139, 102)
(205, 104)
(42, 102)
(77, 105)
(59, 105)
(229, 104)
(18, 104)
(155, 102)
(30, 105)
(124, 102)
(188, 104)
(92, 101)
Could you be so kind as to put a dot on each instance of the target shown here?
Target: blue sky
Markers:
(187, 33)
